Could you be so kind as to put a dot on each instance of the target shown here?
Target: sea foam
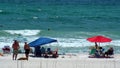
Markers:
(24, 32)
(72, 42)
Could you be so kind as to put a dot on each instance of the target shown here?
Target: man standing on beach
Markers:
(15, 47)
(27, 50)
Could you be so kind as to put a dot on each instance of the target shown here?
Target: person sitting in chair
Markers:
(49, 51)
(55, 53)
(110, 51)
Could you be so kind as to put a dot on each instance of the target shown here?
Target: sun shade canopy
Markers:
(41, 41)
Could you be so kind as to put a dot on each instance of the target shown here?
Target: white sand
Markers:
(69, 61)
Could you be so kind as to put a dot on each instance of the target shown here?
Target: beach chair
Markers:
(6, 50)
(92, 52)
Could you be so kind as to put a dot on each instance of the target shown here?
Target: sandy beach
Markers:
(69, 61)
(72, 28)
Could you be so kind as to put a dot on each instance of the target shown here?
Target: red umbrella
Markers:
(100, 39)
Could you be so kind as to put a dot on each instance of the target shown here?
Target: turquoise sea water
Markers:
(70, 24)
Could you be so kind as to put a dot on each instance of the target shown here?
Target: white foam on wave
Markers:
(1, 11)
(72, 42)
(24, 32)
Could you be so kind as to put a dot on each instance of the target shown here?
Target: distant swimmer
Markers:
(48, 29)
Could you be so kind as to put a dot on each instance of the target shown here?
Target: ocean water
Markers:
(70, 24)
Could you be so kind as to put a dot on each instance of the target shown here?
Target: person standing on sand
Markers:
(96, 45)
(15, 47)
(27, 50)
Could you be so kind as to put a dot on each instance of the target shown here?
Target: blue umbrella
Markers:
(41, 41)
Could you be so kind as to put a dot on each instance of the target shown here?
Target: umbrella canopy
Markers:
(100, 39)
(41, 41)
